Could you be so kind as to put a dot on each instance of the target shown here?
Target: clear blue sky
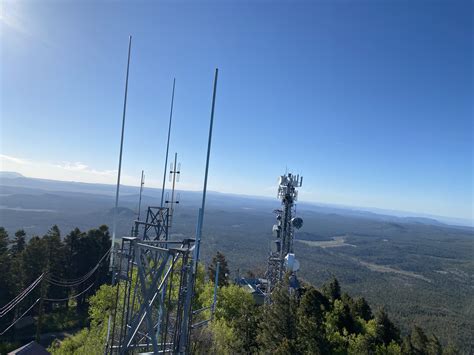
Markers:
(370, 100)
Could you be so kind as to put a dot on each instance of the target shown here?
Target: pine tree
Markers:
(332, 290)
(419, 340)
(3, 241)
(223, 278)
(56, 262)
(386, 330)
(311, 333)
(279, 320)
(5, 264)
(19, 243)
(434, 346)
(362, 309)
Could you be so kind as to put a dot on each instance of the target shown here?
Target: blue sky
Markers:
(370, 100)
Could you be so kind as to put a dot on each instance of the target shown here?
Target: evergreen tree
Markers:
(419, 340)
(19, 243)
(332, 290)
(3, 241)
(311, 332)
(246, 327)
(340, 318)
(71, 251)
(91, 247)
(17, 275)
(35, 260)
(55, 263)
(278, 325)
(407, 347)
(362, 309)
(5, 264)
(386, 330)
(223, 279)
(434, 346)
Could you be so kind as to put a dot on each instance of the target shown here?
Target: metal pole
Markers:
(114, 223)
(142, 182)
(184, 339)
(167, 144)
(204, 190)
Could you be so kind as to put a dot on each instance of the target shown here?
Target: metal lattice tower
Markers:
(151, 288)
(282, 258)
(155, 277)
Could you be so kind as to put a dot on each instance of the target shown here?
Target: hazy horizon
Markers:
(374, 209)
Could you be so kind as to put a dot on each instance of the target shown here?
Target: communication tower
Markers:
(282, 258)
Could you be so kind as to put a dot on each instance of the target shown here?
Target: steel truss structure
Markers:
(154, 276)
(151, 288)
(281, 258)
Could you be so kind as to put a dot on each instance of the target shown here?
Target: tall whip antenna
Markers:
(204, 190)
(114, 223)
(142, 182)
(167, 145)
(187, 316)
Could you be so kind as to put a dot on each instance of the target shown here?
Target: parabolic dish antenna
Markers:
(297, 222)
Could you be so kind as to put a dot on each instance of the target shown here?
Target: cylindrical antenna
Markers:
(184, 340)
(204, 189)
(114, 223)
(142, 182)
(168, 144)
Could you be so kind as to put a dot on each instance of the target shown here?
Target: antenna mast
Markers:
(187, 317)
(282, 258)
(114, 223)
(167, 144)
(142, 182)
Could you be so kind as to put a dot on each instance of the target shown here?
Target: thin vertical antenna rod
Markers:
(142, 182)
(167, 145)
(185, 332)
(204, 190)
(114, 223)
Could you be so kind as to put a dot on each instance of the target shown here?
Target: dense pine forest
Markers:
(73, 298)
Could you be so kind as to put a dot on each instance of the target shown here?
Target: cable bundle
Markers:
(21, 296)
(76, 282)
(57, 282)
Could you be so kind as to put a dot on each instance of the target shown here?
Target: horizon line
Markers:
(458, 221)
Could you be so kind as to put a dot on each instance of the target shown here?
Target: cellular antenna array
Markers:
(282, 258)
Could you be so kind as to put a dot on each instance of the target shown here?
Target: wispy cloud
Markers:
(17, 18)
(81, 167)
(10, 17)
(77, 171)
(14, 159)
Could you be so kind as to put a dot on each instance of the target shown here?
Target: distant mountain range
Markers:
(129, 194)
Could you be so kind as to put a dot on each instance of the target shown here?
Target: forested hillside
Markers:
(74, 297)
(49, 280)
